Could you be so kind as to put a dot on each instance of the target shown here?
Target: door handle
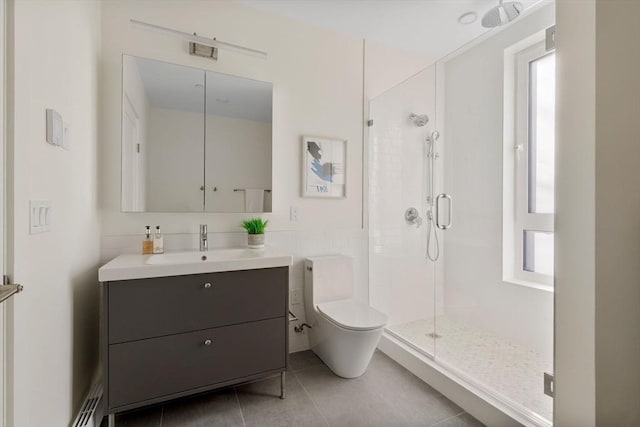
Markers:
(449, 222)
(7, 291)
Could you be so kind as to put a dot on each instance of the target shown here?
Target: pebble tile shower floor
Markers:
(509, 369)
(386, 396)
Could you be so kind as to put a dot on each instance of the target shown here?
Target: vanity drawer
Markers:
(148, 369)
(146, 308)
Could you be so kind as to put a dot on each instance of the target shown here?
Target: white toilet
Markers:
(344, 332)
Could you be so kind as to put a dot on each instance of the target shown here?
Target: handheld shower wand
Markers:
(432, 253)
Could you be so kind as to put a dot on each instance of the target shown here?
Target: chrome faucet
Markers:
(204, 242)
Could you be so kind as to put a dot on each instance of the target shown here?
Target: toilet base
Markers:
(346, 352)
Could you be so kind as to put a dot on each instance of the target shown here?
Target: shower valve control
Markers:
(412, 216)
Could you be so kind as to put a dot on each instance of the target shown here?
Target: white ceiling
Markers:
(429, 27)
(172, 86)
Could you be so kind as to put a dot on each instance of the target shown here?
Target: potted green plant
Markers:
(255, 229)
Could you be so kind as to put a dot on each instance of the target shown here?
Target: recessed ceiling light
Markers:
(222, 100)
(468, 18)
(199, 86)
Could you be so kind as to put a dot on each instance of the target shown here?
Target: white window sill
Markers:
(534, 285)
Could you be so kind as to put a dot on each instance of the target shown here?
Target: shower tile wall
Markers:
(300, 244)
(401, 278)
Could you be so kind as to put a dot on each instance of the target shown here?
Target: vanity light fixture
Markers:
(198, 49)
(199, 45)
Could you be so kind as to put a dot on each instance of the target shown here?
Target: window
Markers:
(529, 198)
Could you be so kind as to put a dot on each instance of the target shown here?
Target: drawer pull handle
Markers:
(207, 285)
(207, 342)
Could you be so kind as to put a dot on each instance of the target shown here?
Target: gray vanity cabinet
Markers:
(173, 336)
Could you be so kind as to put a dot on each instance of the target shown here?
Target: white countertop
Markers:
(134, 266)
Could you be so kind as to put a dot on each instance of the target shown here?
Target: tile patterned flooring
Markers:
(387, 396)
(508, 369)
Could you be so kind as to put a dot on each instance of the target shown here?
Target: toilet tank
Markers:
(328, 278)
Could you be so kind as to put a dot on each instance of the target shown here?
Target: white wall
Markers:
(386, 67)
(53, 63)
(317, 77)
(574, 340)
(472, 138)
(617, 211)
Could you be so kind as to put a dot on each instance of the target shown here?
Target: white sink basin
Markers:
(199, 257)
(128, 267)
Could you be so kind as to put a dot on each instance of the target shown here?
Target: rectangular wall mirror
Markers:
(194, 140)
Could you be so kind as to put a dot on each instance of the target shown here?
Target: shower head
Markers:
(419, 120)
(502, 14)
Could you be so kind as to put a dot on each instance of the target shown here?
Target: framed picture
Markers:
(324, 167)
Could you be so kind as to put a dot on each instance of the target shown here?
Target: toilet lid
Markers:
(352, 314)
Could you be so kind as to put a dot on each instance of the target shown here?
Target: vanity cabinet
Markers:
(168, 337)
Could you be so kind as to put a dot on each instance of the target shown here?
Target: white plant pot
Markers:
(255, 241)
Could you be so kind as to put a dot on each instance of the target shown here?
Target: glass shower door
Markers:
(402, 281)
(495, 330)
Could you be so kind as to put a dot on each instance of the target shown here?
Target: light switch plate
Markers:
(55, 128)
(39, 216)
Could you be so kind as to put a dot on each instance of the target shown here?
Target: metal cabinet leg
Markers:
(282, 394)
(112, 420)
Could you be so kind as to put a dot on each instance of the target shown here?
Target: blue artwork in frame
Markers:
(323, 167)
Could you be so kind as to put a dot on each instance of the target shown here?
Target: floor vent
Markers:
(91, 413)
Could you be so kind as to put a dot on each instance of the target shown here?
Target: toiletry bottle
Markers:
(158, 242)
(147, 243)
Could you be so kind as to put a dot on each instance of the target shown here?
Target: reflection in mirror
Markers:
(162, 137)
(238, 144)
(168, 165)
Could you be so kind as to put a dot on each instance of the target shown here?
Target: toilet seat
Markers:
(352, 314)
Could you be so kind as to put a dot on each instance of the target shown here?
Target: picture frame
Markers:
(324, 162)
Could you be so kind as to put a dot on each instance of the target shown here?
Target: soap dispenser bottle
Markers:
(158, 242)
(147, 243)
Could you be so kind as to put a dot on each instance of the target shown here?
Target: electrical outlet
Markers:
(293, 213)
(296, 297)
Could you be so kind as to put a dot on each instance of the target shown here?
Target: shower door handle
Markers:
(448, 197)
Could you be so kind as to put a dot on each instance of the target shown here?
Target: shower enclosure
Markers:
(446, 153)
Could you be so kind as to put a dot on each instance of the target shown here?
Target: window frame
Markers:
(516, 215)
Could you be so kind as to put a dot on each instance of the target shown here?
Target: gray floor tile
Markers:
(145, 417)
(387, 395)
(462, 420)
(303, 359)
(347, 402)
(219, 408)
(262, 406)
(414, 400)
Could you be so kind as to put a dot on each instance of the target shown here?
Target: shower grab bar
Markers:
(448, 197)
